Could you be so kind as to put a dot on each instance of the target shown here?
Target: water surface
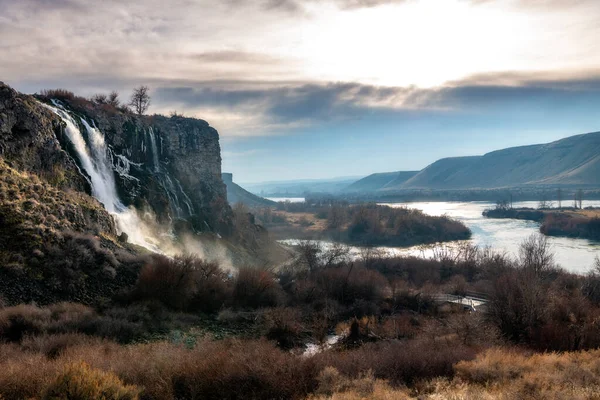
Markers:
(575, 255)
(503, 235)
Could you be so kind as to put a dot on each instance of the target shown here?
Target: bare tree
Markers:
(310, 255)
(544, 203)
(113, 99)
(336, 217)
(99, 98)
(503, 205)
(336, 253)
(140, 99)
(535, 254)
(370, 255)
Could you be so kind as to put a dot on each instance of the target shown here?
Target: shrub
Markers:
(170, 281)
(256, 288)
(347, 284)
(81, 382)
(122, 324)
(283, 325)
(19, 321)
(60, 94)
(183, 283)
(53, 346)
(399, 362)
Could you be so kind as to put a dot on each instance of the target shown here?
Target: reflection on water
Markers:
(505, 235)
(576, 255)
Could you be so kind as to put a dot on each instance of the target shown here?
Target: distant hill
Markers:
(237, 194)
(570, 162)
(380, 181)
(299, 188)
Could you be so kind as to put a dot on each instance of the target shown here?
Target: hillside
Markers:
(380, 181)
(571, 162)
(300, 188)
(237, 194)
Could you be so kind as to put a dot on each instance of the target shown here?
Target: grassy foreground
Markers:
(188, 329)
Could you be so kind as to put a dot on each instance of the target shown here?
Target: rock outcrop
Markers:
(237, 194)
(29, 136)
(171, 166)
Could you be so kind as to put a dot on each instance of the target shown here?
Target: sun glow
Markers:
(428, 43)
(415, 43)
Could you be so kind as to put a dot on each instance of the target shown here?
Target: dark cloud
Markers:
(232, 56)
(299, 5)
(288, 104)
(315, 103)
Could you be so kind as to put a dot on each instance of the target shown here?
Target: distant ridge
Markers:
(380, 181)
(570, 162)
(237, 194)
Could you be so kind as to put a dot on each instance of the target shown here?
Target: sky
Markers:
(326, 88)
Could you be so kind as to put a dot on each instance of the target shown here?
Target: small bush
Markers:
(60, 94)
(81, 382)
(19, 321)
(53, 346)
(183, 283)
(256, 288)
(284, 325)
(400, 362)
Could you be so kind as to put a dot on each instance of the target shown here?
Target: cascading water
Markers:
(106, 189)
(173, 189)
(94, 158)
(154, 150)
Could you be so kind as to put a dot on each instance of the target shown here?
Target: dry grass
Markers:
(79, 381)
(211, 370)
(496, 374)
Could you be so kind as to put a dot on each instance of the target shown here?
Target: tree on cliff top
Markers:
(140, 99)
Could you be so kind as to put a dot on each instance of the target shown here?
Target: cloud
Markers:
(233, 56)
(284, 107)
(265, 108)
(298, 5)
(243, 66)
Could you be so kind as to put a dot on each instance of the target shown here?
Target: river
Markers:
(574, 255)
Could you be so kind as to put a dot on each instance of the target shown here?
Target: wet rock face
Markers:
(28, 141)
(171, 166)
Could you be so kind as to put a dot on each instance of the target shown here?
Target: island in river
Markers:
(363, 224)
(567, 222)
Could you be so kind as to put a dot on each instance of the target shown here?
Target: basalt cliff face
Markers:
(170, 166)
(75, 176)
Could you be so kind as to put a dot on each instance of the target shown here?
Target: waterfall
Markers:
(104, 182)
(174, 190)
(95, 159)
(154, 150)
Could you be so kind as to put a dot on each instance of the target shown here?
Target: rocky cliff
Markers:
(75, 175)
(237, 194)
(171, 166)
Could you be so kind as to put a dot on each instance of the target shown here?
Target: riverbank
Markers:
(365, 224)
(565, 222)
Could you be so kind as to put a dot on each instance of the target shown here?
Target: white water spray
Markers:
(96, 163)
